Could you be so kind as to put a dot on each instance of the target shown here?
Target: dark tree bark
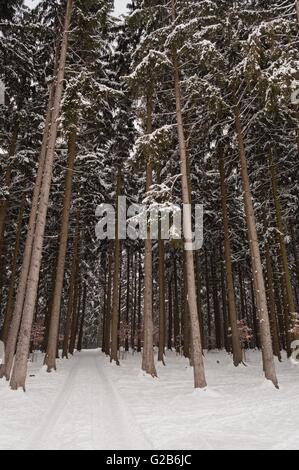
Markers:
(116, 280)
(50, 359)
(176, 312)
(20, 365)
(109, 299)
(72, 289)
(81, 329)
(256, 263)
(148, 363)
(13, 270)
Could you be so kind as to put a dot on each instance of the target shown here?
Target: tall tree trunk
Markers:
(170, 315)
(116, 279)
(209, 345)
(81, 329)
(13, 269)
(176, 312)
(185, 328)
(162, 318)
(281, 238)
(139, 303)
(295, 252)
(76, 315)
(199, 304)
(18, 378)
(128, 298)
(218, 322)
(256, 263)
(109, 298)
(241, 289)
(280, 312)
(50, 359)
(271, 301)
(104, 315)
(270, 293)
(198, 365)
(254, 317)
(4, 202)
(119, 301)
(50, 293)
(71, 299)
(135, 301)
(224, 306)
(148, 362)
(285, 307)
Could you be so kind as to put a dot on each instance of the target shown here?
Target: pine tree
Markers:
(20, 365)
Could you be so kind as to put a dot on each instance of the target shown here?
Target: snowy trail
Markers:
(88, 413)
(92, 404)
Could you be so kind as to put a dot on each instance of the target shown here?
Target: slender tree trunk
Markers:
(209, 345)
(280, 312)
(256, 263)
(295, 252)
(119, 301)
(71, 299)
(170, 315)
(13, 269)
(254, 317)
(135, 300)
(116, 280)
(198, 365)
(224, 306)
(285, 307)
(4, 202)
(75, 316)
(241, 289)
(139, 303)
(218, 322)
(50, 293)
(104, 313)
(109, 298)
(20, 365)
(162, 318)
(176, 312)
(81, 329)
(148, 362)
(50, 359)
(216, 303)
(128, 292)
(199, 304)
(271, 301)
(281, 238)
(270, 294)
(185, 313)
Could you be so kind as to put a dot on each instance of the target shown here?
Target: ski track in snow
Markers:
(88, 413)
(92, 404)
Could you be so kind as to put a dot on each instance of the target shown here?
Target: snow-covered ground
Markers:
(92, 404)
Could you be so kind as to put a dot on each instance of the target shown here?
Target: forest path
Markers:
(88, 413)
(92, 404)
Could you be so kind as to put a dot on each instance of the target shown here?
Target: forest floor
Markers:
(92, 404)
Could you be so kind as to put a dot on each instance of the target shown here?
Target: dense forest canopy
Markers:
(178, 102)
